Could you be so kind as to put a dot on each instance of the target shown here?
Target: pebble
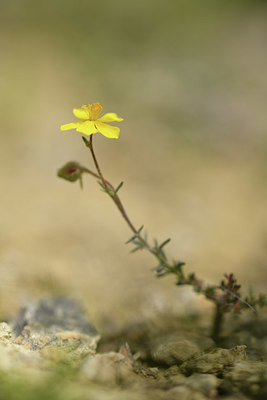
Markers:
(56, 325)
(175, 349)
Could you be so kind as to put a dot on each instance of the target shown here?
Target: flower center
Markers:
(94, 111)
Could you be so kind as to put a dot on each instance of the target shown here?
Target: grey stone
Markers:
(53, 314)
(58, 324)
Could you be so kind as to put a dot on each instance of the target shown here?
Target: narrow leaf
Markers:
(164, 243)
(160, 268)
(135, 235)
(131, 239)
(145, 236)
(162, 254)
(118, 188)
(160, 275)
(137, 241)
(102, 186)
(86, 141)
(139, 230)
(136, 249)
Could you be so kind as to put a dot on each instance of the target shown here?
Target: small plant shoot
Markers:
(226, 296)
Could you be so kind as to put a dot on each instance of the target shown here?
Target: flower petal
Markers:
(87, 127)
(110, 117)
(81, 113)
(72, 125)
(111, 132)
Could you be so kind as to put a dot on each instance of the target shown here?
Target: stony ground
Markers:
(51, 350)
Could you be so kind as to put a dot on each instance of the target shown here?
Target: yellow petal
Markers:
(81, 113)
(110, 117)
(72, 125)
(87, 127)
(111, 132)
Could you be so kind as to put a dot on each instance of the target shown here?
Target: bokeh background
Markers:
(189, 78)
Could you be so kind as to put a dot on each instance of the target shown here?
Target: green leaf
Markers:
(139, 230)
(131, 239)
(177, 267)
(162, 254)
(136, 249)
(86, 141)
(118, 188)
(162, 274)
(159, 268)
(192, 277)
(137, 241)
(102, 186)
(135, 235)
(164, 243)
(111, 192)
(180, 282)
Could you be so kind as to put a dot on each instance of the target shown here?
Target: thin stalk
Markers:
(106, 184)
(217, 323)
(121, 208)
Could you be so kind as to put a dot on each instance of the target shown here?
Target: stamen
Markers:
(90, 111)
(96, 109)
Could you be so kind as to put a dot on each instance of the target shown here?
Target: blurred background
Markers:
(190, 80)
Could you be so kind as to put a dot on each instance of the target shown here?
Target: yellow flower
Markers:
(91, 123)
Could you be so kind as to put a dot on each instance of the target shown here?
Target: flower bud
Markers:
(72, 171)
